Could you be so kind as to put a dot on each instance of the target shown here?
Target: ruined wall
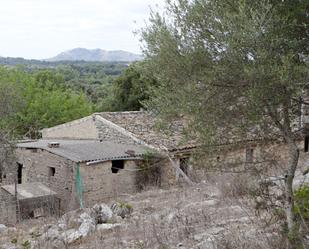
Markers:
(270, 157)
(100, 184)
(84, 128)
(44, 206)
(37, 168)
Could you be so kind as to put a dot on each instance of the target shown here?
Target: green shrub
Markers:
(302, 202)
(14, 241)
(26, 244)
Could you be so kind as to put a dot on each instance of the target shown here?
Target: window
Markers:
(33, 150)
(306, 144)
(51, 171)
(249, 155)
(117, 165)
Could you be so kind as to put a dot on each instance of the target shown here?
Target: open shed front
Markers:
(34, 200)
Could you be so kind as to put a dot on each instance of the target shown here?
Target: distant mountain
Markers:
(83, 54)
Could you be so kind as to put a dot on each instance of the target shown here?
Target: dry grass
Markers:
(206, 215)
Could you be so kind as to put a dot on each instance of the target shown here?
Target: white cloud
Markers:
(43, 28)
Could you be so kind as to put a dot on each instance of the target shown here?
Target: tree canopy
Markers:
(235, 69)
(41, 99)
(129, 90)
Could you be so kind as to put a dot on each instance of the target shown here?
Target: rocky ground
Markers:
(198, 216)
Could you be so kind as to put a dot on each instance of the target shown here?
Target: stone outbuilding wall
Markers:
(59, 174)
(101, 184)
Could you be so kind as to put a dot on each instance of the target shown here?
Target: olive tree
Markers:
(237, 69)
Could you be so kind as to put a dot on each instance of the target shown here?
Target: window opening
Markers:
(117, 165)
(51, 171)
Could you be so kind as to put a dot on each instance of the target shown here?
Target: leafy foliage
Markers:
(45, 101)
(302, 202)
(129, 90)
(237, 70)
(94, 79)
(229, 65)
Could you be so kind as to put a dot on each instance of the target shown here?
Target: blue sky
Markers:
(43, 28)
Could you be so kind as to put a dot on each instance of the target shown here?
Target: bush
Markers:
(302, 202)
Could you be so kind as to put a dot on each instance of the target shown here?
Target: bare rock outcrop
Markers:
(78, 224)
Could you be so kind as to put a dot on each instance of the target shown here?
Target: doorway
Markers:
(19, 173)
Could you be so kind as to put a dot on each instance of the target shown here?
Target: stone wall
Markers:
(272, 157)
(7, 208)
(39, 207)
(100, 184)
(84, 128)
(55, 172)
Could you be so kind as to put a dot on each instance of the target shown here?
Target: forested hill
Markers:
(15, 61)
(84, 54)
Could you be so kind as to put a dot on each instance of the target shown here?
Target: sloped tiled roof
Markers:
(88, 150)
(143, 126)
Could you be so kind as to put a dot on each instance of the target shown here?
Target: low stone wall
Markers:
(41, 206)
(7, 208)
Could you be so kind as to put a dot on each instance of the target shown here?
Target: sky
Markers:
(39, 29)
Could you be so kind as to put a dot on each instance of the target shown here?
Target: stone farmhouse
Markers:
(98, 157)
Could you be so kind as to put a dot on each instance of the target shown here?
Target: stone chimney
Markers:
(53, 144)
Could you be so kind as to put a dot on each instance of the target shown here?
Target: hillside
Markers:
(203, 216)
(191, 217)
(84, 54)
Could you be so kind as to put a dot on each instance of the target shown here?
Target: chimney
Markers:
(53, 144)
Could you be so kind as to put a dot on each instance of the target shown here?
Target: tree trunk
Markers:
(294, 240)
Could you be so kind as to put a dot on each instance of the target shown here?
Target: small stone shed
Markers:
(33, 200)
(102, 169)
